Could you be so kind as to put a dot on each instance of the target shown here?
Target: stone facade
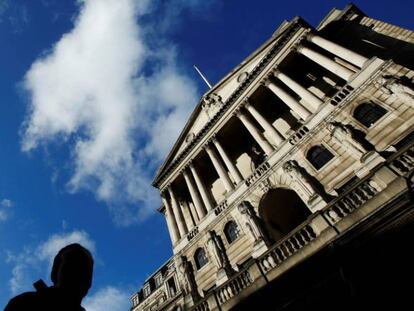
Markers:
(308, 137)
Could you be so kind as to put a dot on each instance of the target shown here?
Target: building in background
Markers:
(289, 187)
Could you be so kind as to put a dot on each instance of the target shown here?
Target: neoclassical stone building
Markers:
(289, 186)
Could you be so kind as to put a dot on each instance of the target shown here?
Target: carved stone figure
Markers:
(392, 85)
(252, 221)
(218, 251)
(343, 136)
(293, 169)
(211, 103)
(189, 284)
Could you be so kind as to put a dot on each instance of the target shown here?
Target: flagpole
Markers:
(202, 76)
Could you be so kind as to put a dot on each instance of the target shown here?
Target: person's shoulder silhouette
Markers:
(71, 276)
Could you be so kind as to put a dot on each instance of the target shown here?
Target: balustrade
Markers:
(263, 168)
(287, 247)
(341, 95)
(221, 207)
(192, 233)
(202, 306)
(233, 286)
(352, 200)
(298, 135)
(405, 162)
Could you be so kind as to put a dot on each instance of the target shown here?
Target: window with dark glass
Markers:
(158, 280)
(147, 291)
(369, 113)
(231, 231)
(318, 156)
(200, 258)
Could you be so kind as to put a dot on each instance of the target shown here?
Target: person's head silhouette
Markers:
(72, 270)
(71, 276)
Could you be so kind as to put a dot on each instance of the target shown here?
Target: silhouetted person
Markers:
(71, 276)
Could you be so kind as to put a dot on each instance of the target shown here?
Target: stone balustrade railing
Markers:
(287, 247)
(404, 162)
(233, 287)
(351, 200)
(263, 168)
(202, 306)
(341, 95)
(221, 207)
(298, 135)
(192, 233)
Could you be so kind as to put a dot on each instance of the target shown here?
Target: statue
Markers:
(211, 103)
(343, 136)
(393, 86)
(252, 221)
(189, 285)
(293, 169)
(218, 251)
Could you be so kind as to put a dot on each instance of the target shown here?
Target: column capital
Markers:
(309, 35)
(162, 193)
(266, 81)
(238, 112)
(298, 47)
(213, 138)
(275, 72)
(183, 171)
(207, 146)
(246, 102)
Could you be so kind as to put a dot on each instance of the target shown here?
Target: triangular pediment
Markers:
(212, 101)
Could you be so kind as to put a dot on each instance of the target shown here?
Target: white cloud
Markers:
(33, 263)
(5, 205)
(116, 100)
(108, 298)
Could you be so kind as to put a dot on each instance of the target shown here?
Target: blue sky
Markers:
(92, 96)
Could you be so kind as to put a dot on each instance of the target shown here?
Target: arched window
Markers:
(318, 156)
(369, 113)
(200, 258)
(231, 231)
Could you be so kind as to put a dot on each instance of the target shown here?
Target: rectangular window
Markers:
(147, 291)
(158, 280)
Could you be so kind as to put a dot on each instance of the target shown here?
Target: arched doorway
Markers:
(282, 210)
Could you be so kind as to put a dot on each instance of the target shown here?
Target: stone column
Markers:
(222, 172)
(291, 102)
(257, 135)
(307, 96)
(182, 226)
(194, 195)
(234, 171)
(344, 53)
(201, 187)
(275, 135)
(326, 62)
(172, 224)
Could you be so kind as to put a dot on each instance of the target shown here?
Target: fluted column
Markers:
(274, 134)
(307, 96)
(201, 187)
(194, 195)
(182, 226)
(290, 101)
(326, 62)
(254, 131)
(221, 171)
(234, 171)
(338, 50)
(172, 224)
